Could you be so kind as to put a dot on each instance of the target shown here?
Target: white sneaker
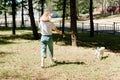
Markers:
(53, 60)
(42, 66)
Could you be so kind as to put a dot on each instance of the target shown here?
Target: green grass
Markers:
(111, 42)
(20, 58)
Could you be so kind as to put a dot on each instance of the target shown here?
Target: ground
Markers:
(20, 60)
(107, 20)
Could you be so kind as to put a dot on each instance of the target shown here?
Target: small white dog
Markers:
(100, 52)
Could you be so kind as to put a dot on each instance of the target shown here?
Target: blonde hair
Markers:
(46, 15)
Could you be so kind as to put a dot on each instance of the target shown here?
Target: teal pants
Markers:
(46, 40)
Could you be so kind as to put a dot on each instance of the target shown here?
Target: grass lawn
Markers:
(20, 58)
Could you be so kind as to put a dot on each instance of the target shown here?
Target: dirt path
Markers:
(108, 20)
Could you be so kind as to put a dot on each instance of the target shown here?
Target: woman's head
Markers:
(46, 16)
(47, 13)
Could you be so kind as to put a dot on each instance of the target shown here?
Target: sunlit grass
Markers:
(20, 60)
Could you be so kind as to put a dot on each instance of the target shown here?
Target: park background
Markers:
(93, 23)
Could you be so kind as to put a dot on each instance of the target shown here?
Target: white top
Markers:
(46, 27)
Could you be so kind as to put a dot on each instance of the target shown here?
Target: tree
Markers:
(22, 24)
(73, 15)
(64, 11)
(31, 14)
(5, 13)
(91, 18)
(14, 16)
(3, 9)
(42, 6)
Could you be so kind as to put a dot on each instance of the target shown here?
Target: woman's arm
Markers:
(59, 32)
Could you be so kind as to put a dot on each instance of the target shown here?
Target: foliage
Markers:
(6, 8)
(59, 6)
(19, 4)
(83, 6)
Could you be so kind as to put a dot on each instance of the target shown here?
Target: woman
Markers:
(46, 27)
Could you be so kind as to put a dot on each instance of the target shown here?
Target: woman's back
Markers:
(46, 28)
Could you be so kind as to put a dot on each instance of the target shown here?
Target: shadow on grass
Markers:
(4, 39)
(59, 40)
(109, 41)
(68, 62)
(27, 36)
(10, 28)
(57, 63)
(3, 54)
(3, 42)
(104, 57)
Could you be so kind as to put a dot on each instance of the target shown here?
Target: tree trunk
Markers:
(6, 20)
(5, 14)
(31, 14)
(22, 15)
(63, 20)
(77, 9)
(119, 6)
(42, 7)
(91, 19)
(73, 16)
(14, 16)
